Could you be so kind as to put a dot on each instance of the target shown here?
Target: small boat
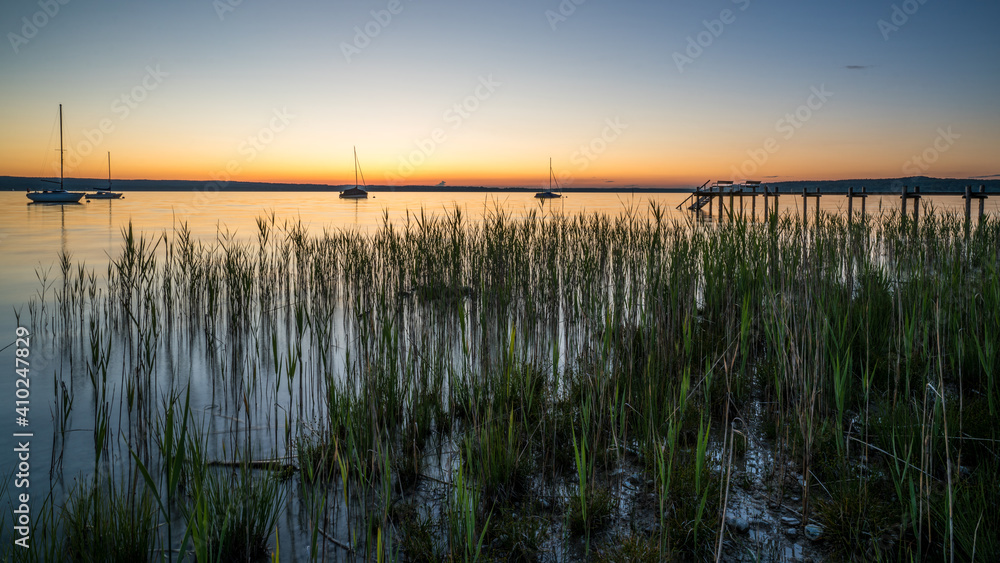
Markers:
(60, 195)
(106, 193)
(356, 192)
(549, 193)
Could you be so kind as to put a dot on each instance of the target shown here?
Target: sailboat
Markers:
(549, 193)
(356, 192)
(60, 195)
(105, 193)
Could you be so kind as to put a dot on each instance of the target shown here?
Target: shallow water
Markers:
(33, 236)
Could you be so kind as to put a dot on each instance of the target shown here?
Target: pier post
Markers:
(864, 199)
(904, 201)
(916, 204)
(805, 206)
(968, 207)
(850, 203)
(765, 202)
(753, 206)
(982, 200)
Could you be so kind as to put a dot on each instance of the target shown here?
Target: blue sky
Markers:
(222, 69)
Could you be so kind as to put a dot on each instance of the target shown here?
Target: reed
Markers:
(480, 368)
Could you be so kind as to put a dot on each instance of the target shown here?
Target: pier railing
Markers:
(707, 194)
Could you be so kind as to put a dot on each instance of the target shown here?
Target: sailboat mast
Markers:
(550, 173)
(61, 153)
(109, 170)
(355, 167)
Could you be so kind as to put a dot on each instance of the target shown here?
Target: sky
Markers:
(485, 92)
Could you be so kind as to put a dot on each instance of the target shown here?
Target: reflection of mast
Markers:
(62, 224)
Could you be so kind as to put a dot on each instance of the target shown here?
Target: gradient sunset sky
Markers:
(476, 92)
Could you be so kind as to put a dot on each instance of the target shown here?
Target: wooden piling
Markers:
(982, 200)
(903, 197)
(968, 206)
(850, 203)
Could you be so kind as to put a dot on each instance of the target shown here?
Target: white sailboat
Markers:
(356, 192)
(60, 195)
(549, 193)
(105, 193)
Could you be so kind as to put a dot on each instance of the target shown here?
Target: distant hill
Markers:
(893, 185)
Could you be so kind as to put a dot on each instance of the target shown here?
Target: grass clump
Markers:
(594, 515)
(108, 523)
(234, 515)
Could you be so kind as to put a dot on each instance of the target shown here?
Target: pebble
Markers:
(814, 532)
(738, 523)
(790, 521)
(792, 532)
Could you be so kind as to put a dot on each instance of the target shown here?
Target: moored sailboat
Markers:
(549, 193)
(60, 195)
(105, 193)
(357, 192)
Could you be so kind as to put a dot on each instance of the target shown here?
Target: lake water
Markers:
(33, 236)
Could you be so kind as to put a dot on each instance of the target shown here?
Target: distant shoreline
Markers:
(829, 187)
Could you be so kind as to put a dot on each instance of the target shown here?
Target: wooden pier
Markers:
(709, 193)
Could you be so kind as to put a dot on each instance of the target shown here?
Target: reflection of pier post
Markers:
(817, 205)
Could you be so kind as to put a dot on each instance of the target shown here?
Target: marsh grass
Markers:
(474, 368)
(109, 522)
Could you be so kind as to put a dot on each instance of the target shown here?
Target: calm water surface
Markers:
(32, 237)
